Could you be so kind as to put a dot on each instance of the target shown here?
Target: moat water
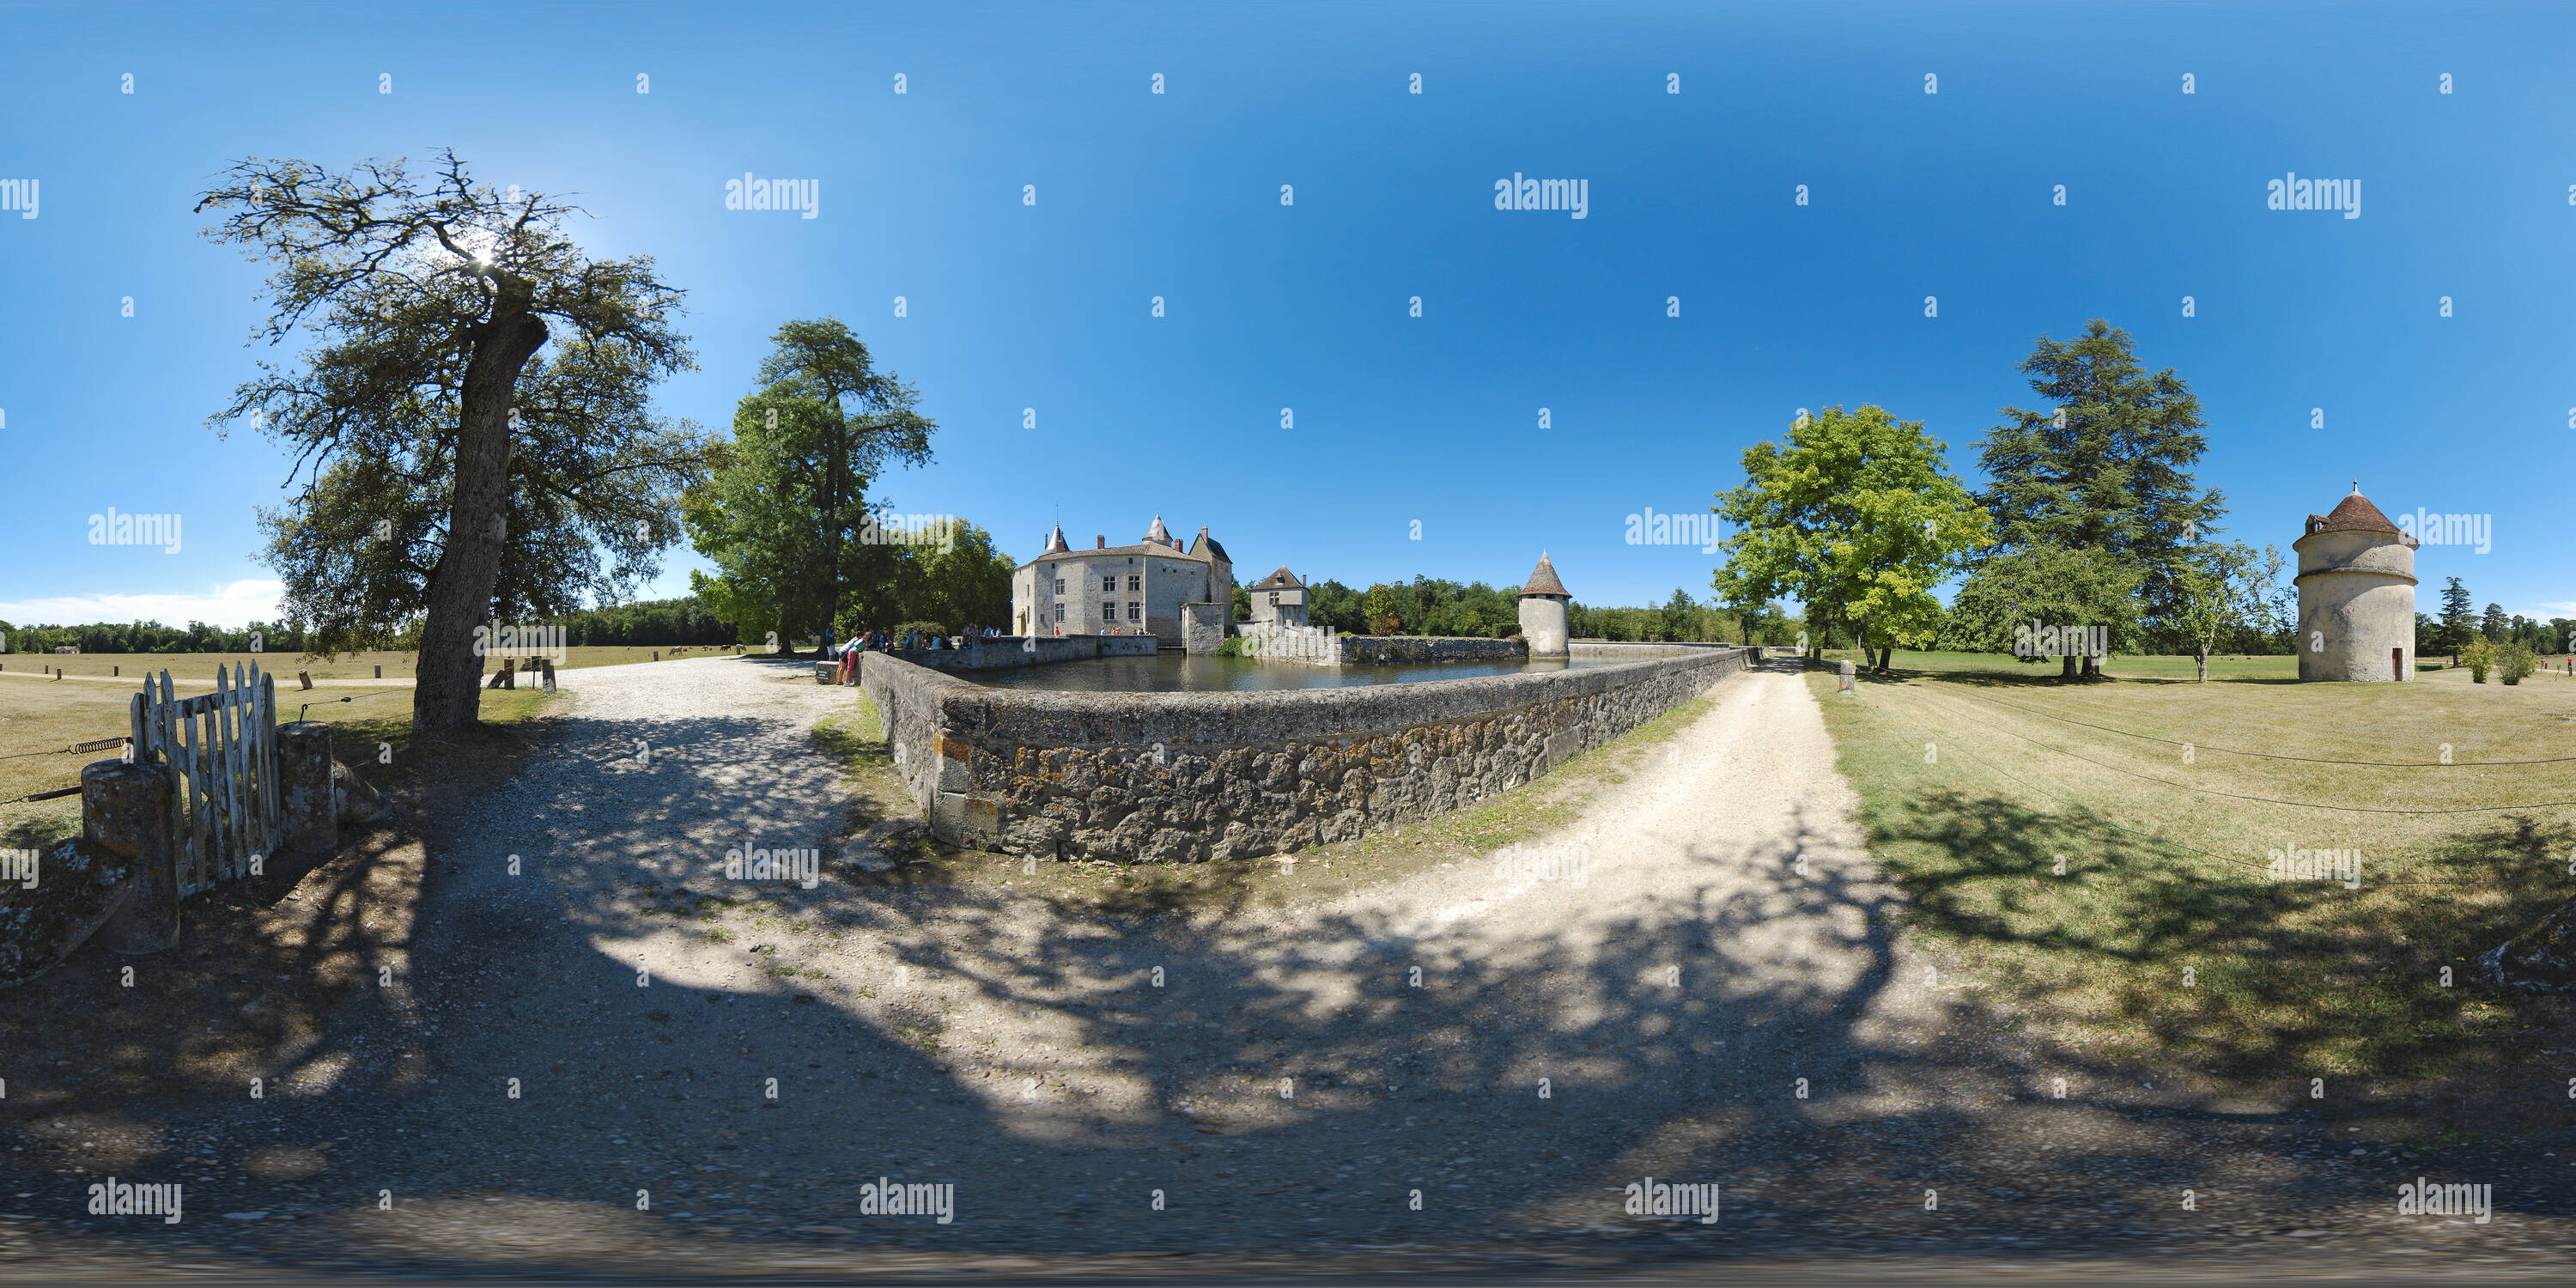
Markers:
(1176, 673)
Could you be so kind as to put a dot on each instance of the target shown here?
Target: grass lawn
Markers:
(44, 717)
(2165, 938)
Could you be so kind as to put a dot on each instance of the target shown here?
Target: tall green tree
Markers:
(2105, 463)
(451, 479)
(2457, 618)
(786, 496)
(2222, 589)
(1855, 514)
(1996, 610)
(961, 581)
(2493, 624)
(1384, 608)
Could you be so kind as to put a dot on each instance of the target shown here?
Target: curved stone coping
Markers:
(1250, 717)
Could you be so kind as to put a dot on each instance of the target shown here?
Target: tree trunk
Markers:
(445, 697)
(2066, 667)
(832, 501)
(2200, 655)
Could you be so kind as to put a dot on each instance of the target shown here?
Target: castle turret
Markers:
(2356, 595)
(1543, 601)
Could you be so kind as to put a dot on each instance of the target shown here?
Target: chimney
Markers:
(1099, 542)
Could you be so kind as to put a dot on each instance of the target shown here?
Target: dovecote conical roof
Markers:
(1542, 580)
(2355, 514)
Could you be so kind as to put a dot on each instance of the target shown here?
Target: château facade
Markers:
(1120, 590)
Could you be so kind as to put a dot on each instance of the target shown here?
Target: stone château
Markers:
(1120, 590)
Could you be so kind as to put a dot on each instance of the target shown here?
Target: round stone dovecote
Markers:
(2356, 595)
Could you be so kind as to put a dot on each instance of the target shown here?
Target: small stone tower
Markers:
(1543, 601)
(2356, 595)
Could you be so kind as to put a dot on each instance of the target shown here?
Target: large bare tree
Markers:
(440, 452)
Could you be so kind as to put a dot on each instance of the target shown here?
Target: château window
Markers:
(1059, 585)
(1109, 612)
(1135, 612)
(1135, 585)
(1109, 585)
(1059, 612)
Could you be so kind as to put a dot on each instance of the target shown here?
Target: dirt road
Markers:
(616, 1056)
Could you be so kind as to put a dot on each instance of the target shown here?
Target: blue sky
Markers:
(1269, 306)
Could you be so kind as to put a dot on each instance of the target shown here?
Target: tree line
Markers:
(1438, 606)
(153, 637)
(2091, 516)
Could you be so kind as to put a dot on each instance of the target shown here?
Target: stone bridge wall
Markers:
(1379, 650)
(1181, 777)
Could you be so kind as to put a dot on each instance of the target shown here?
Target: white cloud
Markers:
(2563, 608)
(234, 605)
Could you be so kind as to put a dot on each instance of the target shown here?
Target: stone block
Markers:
(125, 812)
(78, 888)
(308, 814)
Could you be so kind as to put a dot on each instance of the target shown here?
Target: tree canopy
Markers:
(451, 478)
(1855, 515)
(783, 506)
(2105, 464)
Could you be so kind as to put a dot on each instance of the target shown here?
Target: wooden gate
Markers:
(220, 752)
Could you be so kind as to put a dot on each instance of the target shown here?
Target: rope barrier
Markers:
(2268, 800)
(98, 745)
(2305, 760)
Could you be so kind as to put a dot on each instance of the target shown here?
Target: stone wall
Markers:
(1598, 650)
(1014, 650)
(907, 699)
(1381, 650)
(1182, 777)
(1203, 627)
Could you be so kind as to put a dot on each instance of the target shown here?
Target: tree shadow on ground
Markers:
(1683, 1036)
(2287, 977)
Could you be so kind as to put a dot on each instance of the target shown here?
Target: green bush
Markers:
(2513, 662)
(2479, 657)
(1230, 646)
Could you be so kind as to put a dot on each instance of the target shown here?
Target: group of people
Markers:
(888, 642)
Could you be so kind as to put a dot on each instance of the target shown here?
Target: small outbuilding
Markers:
(2356, 595)
(1279, 598)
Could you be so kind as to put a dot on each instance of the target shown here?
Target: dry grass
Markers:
(45, 716)
(1975, 780)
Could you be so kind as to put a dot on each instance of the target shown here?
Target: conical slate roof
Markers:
(1542, 580)
(1055, 542)
(2355, 514)
(1157, 534)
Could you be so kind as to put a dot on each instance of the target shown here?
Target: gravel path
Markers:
(1696, 983)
